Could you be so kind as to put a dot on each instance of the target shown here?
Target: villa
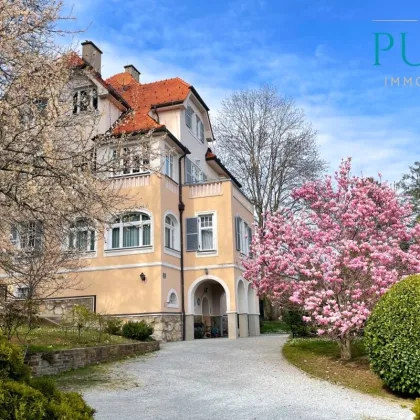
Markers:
(178, 253)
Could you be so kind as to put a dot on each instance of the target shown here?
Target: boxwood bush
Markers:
(416, 409)
(392, 337)
(22, 397)
(137, 330)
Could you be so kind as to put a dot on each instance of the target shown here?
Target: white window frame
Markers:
(125, 159)
(121, 225)
(36, 236)
(196, 175)
(92, 93)
(189, 113)
(199, 129)
(244, 243)
(207, 252)
(168, 300)
(91, 232)
(18, 292)
(169, 164)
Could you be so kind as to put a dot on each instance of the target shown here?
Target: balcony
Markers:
(132, 181)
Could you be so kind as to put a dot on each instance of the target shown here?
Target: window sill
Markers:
(207, 253)
(172, 252)
(128, 251)
(172, 306)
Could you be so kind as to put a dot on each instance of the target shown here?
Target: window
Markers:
(22, 292)
(243, 236)
(188, 116)
(199, 129)
(206, 241)
(131, 160)
(172, 300)
(171, 232)
(130, 230)
(84, 100)
(81, 236)
(193, 174)
(169, 164)
(27, 235)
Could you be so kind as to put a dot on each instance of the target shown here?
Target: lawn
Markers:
(52, 338)
(273, 327)
(321, 358)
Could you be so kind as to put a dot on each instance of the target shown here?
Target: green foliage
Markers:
(296, 325)
(410, 183)
(392, 337)
(113, 326)
(11, 362)
(23, 398)
(137, 330)
(416, 409)
(273, 327)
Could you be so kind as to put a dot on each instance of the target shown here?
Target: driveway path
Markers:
(222, 379)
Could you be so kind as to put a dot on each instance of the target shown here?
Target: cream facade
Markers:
(173, 259)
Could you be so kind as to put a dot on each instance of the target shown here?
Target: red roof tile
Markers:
(141, 97)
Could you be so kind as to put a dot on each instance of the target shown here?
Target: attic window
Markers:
(188, 116)
(84, 100)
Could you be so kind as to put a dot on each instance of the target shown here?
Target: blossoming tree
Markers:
(339, 254)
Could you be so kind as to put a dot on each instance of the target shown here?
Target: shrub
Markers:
(137, 330)
(35, 399)
(12, 365)
(392, 337)
(293, 319)
(416, 409)
(113, 326)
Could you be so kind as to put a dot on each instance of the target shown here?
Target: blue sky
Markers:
(320, 52)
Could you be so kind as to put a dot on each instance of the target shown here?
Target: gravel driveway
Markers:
(224, 379)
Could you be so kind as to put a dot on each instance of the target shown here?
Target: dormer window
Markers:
(84, 100)
(189, 116)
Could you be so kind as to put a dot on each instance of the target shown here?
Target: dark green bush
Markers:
(113, 326)
(137, 330)
(392, 337)
(24, 398)
(416, 409)
(293, 319)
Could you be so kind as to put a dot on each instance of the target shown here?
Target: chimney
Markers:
(130, 69)
(92, 54)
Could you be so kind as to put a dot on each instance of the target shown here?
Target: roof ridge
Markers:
(151, 83)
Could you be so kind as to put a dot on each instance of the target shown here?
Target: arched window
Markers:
(82, 236)
(172, 301)
(131, 230)
(171, 232)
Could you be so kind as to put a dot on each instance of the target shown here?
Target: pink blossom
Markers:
(339, 253)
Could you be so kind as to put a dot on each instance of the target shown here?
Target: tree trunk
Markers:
(345, 348)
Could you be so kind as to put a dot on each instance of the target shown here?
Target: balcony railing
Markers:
(205, 189)
(132, 181)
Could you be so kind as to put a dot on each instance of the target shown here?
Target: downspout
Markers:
(181, 208)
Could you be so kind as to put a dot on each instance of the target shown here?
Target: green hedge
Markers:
(392, 337)
(137, 330)
(22, 397)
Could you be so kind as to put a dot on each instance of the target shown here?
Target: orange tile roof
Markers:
(141, 97)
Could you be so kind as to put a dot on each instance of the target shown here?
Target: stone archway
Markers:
(209, 304)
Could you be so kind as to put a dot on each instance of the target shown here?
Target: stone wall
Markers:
(56, 308)
(166, 327)
(51, 363)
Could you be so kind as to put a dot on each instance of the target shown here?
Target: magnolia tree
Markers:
(339, 254)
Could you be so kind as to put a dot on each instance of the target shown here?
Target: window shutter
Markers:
(192, 234)
(238, 232)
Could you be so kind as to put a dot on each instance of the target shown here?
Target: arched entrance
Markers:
(208, 305)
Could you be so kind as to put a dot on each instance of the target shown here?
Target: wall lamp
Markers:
(142, 277)
(206, 271)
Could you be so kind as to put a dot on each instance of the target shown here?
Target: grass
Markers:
(52, 338)
(273, 327)
(321, 358)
